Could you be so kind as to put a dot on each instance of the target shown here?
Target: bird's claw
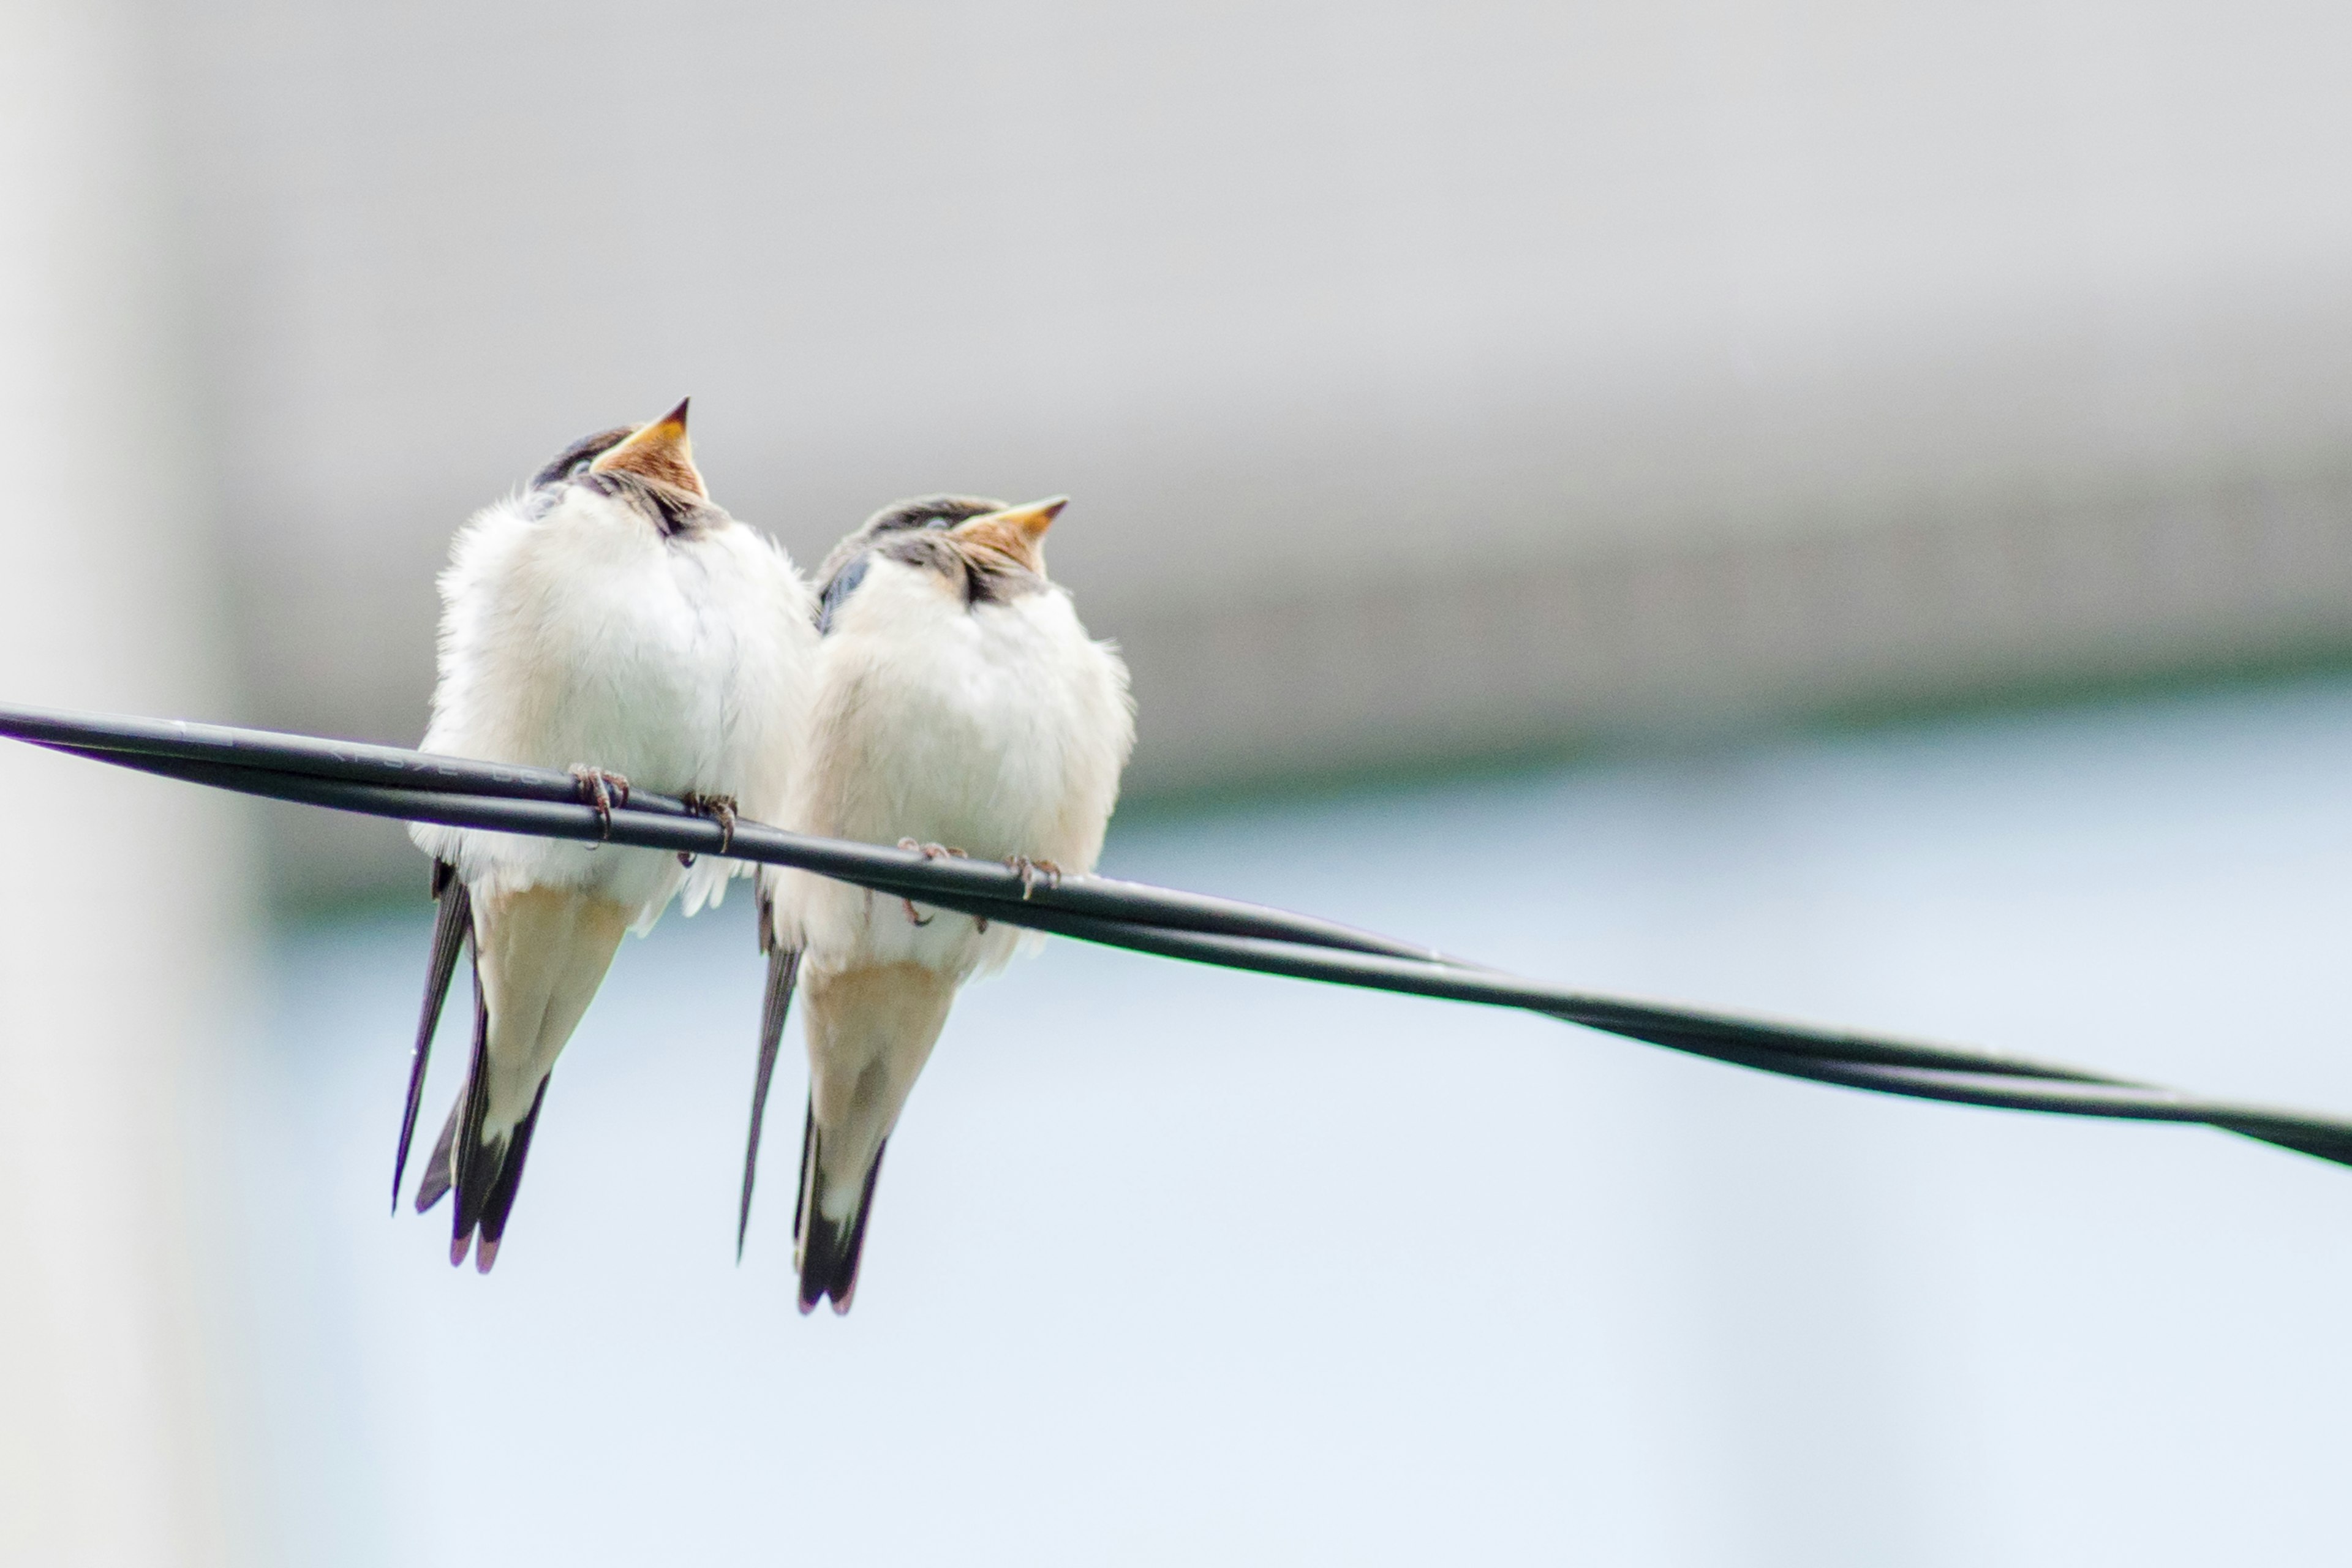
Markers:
(603, 789)
(1034, 871)
(929, 852)
(719, 808)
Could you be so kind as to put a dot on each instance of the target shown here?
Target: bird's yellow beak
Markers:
(660, 451)
(1018, 532)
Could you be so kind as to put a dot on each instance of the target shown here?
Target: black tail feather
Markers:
(453, 923)
(473, 1168)
(784, 967)
(434, 1184)
(441, 1170)
(830, 1252)
(499, 1201)
(485, 1174)
(808, 1167)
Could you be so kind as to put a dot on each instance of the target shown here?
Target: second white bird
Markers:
(958, 705)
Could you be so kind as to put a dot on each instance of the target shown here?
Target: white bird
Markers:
(959, 702)
(612, 620)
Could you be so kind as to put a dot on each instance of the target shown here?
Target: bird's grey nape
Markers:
(839, 586)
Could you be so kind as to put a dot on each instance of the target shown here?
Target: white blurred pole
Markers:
(118, 1444)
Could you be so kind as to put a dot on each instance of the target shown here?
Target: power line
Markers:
(386, 781)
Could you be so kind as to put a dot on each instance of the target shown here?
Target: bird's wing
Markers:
(783, 969)
(451, 924)
(440, 1170)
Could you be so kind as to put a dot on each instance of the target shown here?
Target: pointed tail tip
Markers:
(840, 1303)
(458, 1245)
(835, 1290)
(828, 1248)
(485, 1255)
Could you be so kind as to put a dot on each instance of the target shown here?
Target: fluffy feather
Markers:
(999, 729)
(573, 633)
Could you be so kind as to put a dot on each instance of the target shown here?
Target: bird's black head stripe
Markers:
(579, 455)
(929, 511)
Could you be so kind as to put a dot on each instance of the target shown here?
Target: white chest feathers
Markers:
(997, 727)
(585, 635)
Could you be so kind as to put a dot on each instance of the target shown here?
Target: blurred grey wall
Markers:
(1432, 380)
(125, 928)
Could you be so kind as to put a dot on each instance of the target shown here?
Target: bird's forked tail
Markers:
(829, 1246)
(485, 1172)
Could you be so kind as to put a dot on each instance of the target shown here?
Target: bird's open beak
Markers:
(1017, 531)
(660, 451)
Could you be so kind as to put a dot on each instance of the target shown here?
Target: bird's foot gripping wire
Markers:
(719, 808)
(929, 852)
(603, 789)
(1035, 871)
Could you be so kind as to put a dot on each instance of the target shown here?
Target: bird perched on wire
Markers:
(959, 709)
(612, 620)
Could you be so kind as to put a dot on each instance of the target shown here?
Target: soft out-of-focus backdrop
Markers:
(1501, 374)
(1582, 400)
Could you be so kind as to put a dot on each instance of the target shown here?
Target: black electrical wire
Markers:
(123, 739)
(386, 781)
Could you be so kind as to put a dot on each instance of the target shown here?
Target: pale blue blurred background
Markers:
(1172, 1266)
(1806, 506)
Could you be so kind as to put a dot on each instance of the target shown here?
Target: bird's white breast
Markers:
(586, 636)
(997, 729)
